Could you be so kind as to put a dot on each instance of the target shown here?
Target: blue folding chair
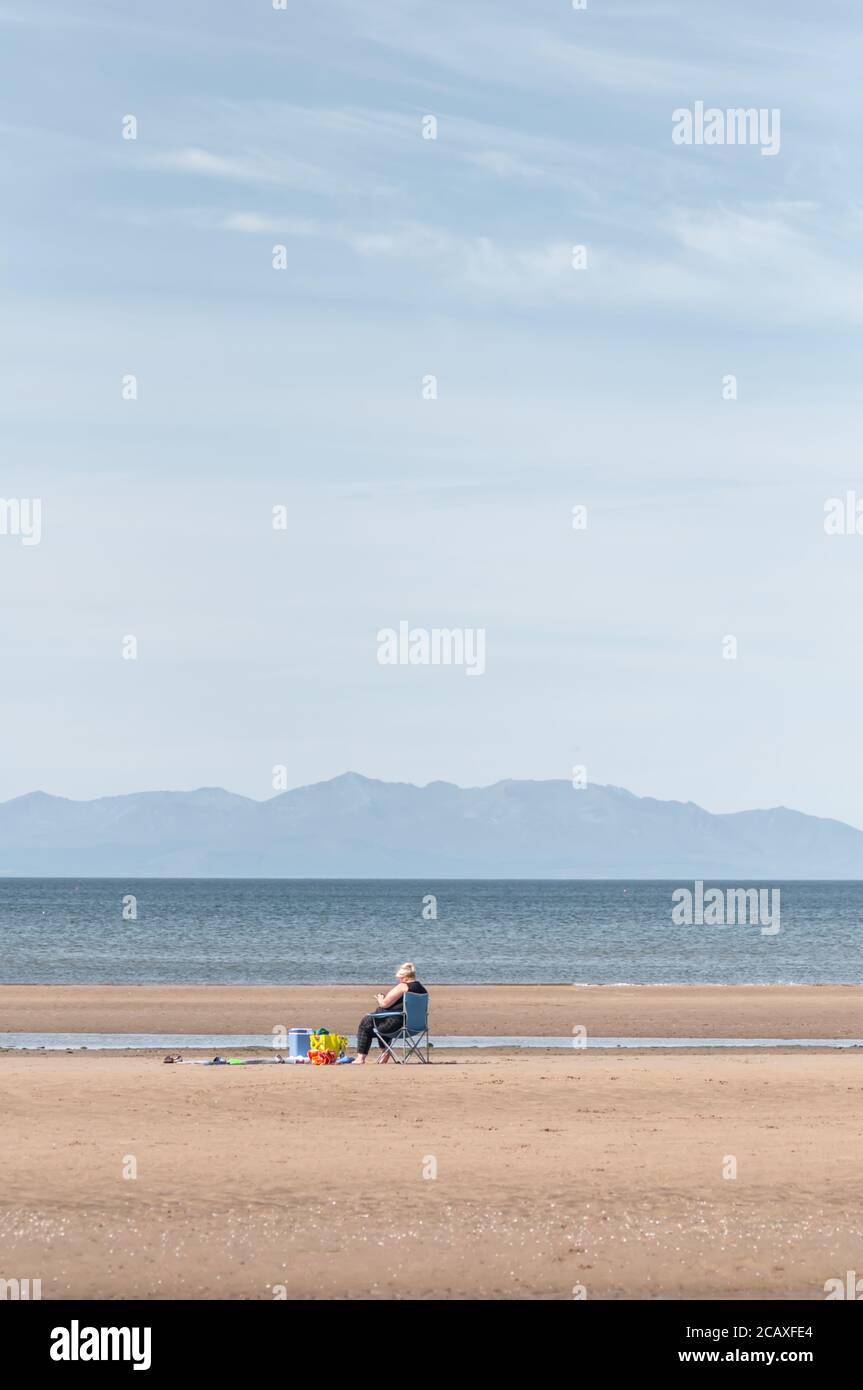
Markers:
(413, 1035)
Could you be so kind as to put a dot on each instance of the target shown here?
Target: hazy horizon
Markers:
(393, 782)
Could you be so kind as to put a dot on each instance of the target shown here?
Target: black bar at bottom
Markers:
(227, 1338)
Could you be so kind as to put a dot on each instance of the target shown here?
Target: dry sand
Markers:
(553, 1170)
(821, 1011)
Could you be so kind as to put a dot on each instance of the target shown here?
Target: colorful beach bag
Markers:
(326, 1048)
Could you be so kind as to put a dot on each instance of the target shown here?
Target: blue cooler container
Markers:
(298, 1042)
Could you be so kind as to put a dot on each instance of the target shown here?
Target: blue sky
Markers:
(302, 387)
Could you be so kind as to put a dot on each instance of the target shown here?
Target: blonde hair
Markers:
(408, 971)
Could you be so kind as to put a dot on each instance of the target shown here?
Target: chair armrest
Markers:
(390, 1013)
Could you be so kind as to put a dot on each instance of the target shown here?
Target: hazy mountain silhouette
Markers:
(357, 827)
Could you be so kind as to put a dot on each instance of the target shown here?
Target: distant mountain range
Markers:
(356, 827)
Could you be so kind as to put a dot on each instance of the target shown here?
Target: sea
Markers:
(344, 931)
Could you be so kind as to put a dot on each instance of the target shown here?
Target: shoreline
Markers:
(609, 1011)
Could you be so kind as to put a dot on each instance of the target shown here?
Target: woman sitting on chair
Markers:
(406, 976)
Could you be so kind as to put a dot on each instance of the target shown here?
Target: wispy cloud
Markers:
(731, 264)
(258, 223)
(506, 165)
(252, 168)
(497, 47)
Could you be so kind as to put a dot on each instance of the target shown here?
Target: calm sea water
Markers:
(289, 931)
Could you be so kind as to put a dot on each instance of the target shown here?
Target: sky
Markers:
(300, 379)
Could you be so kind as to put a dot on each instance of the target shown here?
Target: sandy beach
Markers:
(796, 1011)
(553, 1171)
(487, 1174)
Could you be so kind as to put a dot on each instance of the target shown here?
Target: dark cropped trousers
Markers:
(387, 1026)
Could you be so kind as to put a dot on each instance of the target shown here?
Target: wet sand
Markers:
(817, 1011)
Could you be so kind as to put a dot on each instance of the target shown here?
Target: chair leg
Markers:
(388, 1045)
(411, 1047)
(415, 1047)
